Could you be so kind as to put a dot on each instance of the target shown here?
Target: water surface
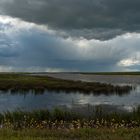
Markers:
(50, 100)
(75, 100)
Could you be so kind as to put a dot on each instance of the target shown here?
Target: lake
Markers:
(75, 101)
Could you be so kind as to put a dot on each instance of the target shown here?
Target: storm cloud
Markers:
(98, 19)
(69, 35)
(27, 46)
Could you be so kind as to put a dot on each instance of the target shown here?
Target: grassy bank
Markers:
(79, 134)
(61, 125)
(22, 82)
(44, 125)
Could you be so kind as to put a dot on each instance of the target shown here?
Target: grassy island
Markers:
(24, 82)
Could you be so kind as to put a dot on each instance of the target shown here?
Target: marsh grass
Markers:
(60, 119)
(77, 134)
(38, 84)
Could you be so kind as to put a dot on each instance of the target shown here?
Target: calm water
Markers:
(50, 100)
(75, 101)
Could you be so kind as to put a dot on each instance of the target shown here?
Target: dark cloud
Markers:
(87, 18)
(29, 47)
(35, 49)
(39, 50)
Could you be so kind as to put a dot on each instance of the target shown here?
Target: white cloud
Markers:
(129, 62)
(6, 69)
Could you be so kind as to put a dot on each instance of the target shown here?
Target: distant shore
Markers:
(112, 73)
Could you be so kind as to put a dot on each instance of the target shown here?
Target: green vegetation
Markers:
(78, 134)
(60, 119)
(62, 125)
(24, 82)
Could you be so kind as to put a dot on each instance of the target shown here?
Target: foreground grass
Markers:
(78, 134)
(62, 125)
(23, 82)
(60, 119)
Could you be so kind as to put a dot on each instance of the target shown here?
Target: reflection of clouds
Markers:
(93, 100)
(83, 99)
(129, 108)
(91, 109)
(50, 100)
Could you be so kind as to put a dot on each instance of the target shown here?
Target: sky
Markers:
(69, 35)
